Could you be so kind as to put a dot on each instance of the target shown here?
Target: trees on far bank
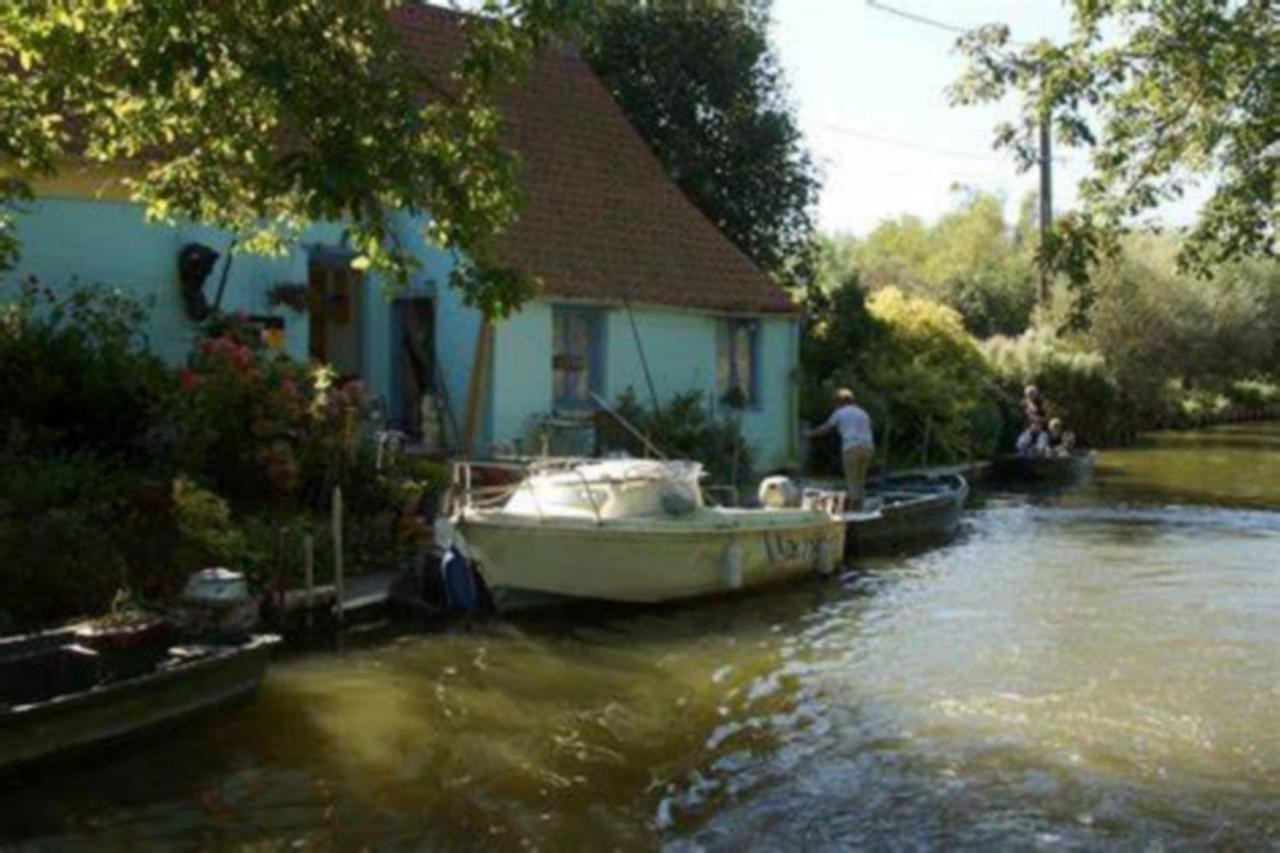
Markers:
(1157, 343)
(970, 260)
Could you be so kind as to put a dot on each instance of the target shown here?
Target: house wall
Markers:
(680, 349)
(109, 243)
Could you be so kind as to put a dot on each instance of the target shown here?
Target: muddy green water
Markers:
(1091, 668)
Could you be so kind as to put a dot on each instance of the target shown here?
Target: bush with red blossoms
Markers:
(119, 471)
(261, 429)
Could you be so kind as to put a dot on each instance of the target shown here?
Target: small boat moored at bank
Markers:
(629, 530)
(67, 690)
(912, 511)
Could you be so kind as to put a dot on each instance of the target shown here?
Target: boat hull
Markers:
(917, 512)
(651, 561)
(1043, 469)
(76, 721)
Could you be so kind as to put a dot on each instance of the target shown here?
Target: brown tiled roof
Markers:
(601, 220)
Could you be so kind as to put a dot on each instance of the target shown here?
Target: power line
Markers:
(916, 146)
(917, 18)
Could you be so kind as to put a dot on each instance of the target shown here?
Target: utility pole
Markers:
(1046, 153)
(1046, 207)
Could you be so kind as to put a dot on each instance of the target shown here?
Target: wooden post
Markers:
(1046, 209)
(888, 431)
(277, 569)
(924, 453)
(309, 576)
(339, 591)
(475, 391)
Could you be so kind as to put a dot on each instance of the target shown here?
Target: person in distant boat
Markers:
(1057, 441)
(1033, 441)
(856, 443)
(1033, 407)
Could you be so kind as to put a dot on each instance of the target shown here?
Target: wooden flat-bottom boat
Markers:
(1060, 470)
(911, 511)
(61, 693)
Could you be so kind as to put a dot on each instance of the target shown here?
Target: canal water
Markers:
(1099, 666)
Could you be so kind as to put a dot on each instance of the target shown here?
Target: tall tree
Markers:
(259, 115)
(1165, 93)
(970, 260)
(700, 82)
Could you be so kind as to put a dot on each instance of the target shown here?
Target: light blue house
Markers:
(639, 287)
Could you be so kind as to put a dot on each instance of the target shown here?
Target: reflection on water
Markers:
(1096, 666)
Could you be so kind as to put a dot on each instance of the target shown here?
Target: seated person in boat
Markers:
(856, 443)
(1033, 406)
(1057, 441)
(1034, 441)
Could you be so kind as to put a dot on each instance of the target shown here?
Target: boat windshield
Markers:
(609, 489)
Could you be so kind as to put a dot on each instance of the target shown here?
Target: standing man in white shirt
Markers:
(856, 443)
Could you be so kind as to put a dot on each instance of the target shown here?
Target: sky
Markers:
(869, 90)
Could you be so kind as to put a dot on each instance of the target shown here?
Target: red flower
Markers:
(242, 358)
(187, 379)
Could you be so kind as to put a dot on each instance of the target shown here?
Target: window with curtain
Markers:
(577, 363)
(737, 353)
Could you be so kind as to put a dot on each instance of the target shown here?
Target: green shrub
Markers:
(74, 529)
(119, 471)
(685, 428)
(1076, 384)
(74, 374)
(1253, 393)
(913, 367)
(207, 534)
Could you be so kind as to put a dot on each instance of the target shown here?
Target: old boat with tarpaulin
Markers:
(906, 512)
(628, 530)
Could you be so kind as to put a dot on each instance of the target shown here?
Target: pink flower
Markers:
(187, 379)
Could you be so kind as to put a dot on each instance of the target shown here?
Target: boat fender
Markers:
(778, 492)
(677, 499)
(458, 579)
(731, 574)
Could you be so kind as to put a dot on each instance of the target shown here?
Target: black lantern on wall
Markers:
(195, 262)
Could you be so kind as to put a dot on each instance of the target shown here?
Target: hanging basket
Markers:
(291, 295)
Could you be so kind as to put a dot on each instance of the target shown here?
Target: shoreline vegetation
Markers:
(121, 472)
(936, 329)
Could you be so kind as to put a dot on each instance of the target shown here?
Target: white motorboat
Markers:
(628, 530)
